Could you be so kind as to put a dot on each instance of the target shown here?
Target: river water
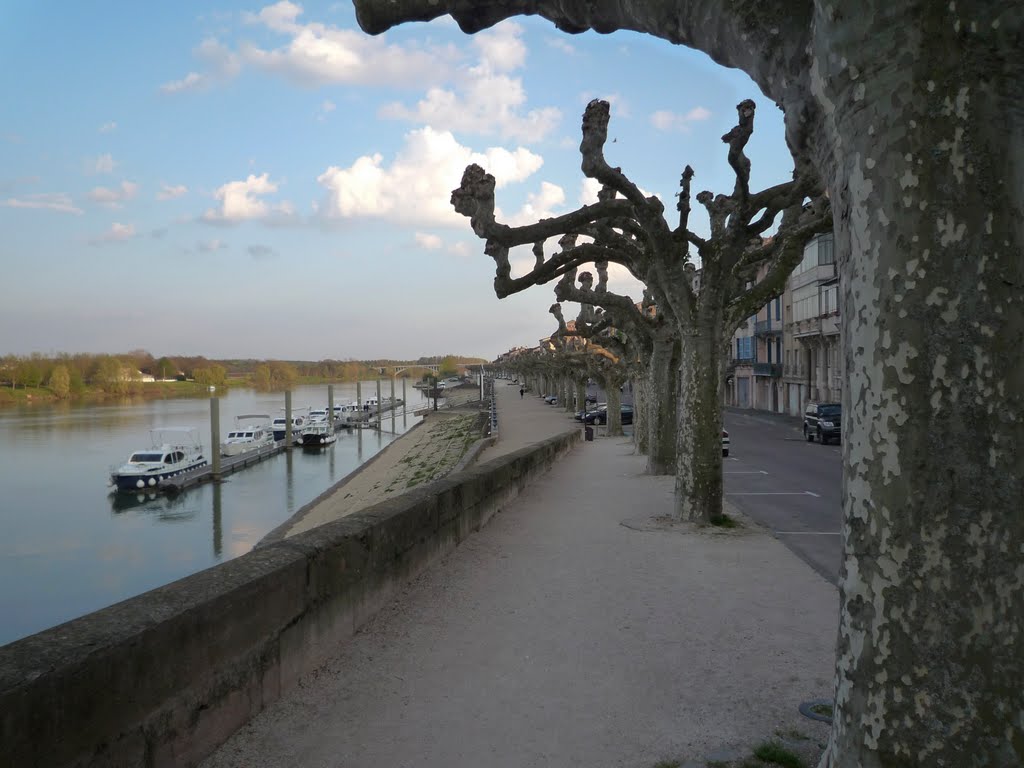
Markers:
(68, 546)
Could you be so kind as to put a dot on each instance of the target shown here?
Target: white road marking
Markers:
(779, 493)
(744, 472)
(807, 533)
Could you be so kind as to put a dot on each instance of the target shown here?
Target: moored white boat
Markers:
(299, 421)
(172, 451)
(319, 434)
(252, 431)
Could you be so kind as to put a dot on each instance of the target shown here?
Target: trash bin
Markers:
(589, 433)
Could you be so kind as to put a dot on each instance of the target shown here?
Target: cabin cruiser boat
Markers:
(172, 451)
(349, 413)
(317, 414)
(319, 434)
(299, 422)
(252, 431)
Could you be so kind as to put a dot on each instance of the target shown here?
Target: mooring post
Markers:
(378, 404)
(218, 524)
(394, 405)
(215, 435)
(359, 402)
(288, 420)
(330, 407)
(405, 404)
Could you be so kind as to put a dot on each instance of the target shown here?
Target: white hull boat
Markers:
(173, 451)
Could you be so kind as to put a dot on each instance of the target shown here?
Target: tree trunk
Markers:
(698, 496)
(661, 404)
(927, 185)
(581, 394)
(640, 426)
(614, 408)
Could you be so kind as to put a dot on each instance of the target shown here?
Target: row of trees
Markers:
(674, 342)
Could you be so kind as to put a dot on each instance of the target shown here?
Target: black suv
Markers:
(824, 421)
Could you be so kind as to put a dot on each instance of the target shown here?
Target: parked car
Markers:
(550, 399)
(600, 416)
(590, 411)
(824, 421)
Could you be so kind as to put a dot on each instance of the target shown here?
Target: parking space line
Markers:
(746, 472)
(776, 493)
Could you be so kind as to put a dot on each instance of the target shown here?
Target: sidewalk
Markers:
(576, 629)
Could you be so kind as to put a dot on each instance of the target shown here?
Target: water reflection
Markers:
(218, 524)
(165, 508)
(70, 547)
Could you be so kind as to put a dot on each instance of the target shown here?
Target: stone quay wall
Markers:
(163, 678)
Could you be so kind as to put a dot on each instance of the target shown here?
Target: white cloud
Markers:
(664, 120)
(325, 108)
(240, 201)
(588, 191)
(318, 54)
(560, 44)
(539, 205)
(417, 185)
(430, 242)
(168, 192)
(501, 48)
(114, 198)
(463, 248)
(210, 246)
(103, 164)
(117, 233)
(44, 201)
(191, 82)
(485, 100)
(108, 127)
(219, 64)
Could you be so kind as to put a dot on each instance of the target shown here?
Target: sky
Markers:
(247, 180)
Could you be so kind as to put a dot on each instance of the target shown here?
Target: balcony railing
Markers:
(767, 327)
(768, 369)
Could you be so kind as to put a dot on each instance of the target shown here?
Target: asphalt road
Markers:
(790, 486)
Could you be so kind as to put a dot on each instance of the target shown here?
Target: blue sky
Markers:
(264, 180)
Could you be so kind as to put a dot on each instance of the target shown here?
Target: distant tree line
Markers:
(71, 375)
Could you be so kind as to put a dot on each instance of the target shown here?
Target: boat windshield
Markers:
(140, 458)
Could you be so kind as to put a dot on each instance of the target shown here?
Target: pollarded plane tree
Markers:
(578, 352)
(629, 228)
(630, 333)
(909, 111)
(601, 353)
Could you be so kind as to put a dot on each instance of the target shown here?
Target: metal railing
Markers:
(767, 327)
(768, 369)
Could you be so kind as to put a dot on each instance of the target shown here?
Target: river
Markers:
(68, 546)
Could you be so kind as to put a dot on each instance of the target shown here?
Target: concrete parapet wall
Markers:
(162, 679)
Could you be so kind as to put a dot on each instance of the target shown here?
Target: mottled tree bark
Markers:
(699, 433)
(662, 390)
(927, 170)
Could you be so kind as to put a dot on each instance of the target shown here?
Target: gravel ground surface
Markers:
(579, 628)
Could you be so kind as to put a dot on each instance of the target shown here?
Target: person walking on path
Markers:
(521, 390)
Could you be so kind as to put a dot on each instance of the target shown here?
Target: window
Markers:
(806, 302)
(778, 309)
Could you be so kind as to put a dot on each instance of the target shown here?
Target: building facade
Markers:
(814, 363)
(789, 354)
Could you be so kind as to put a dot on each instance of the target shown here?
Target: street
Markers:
(790, 486)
